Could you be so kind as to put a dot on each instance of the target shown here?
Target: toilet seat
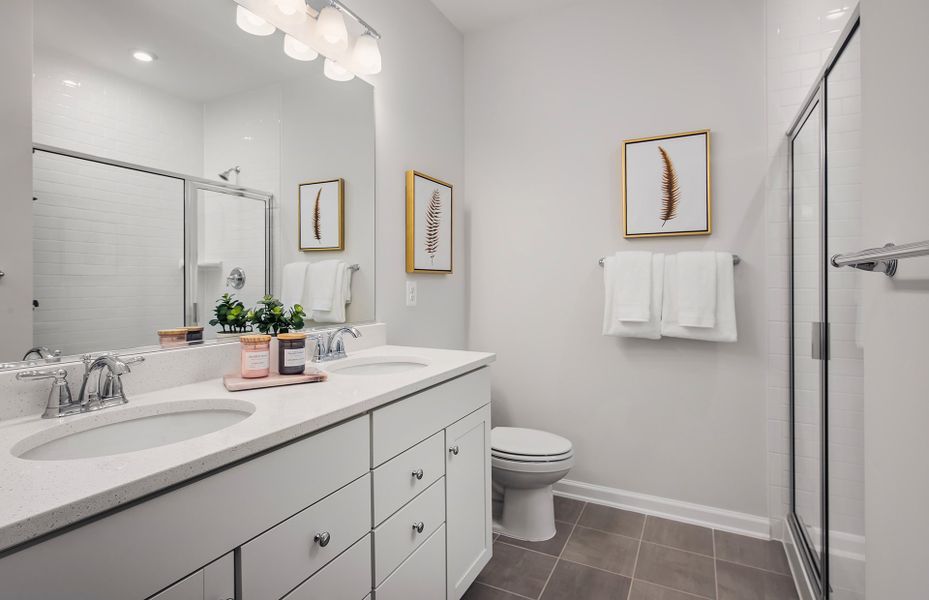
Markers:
(529, 445)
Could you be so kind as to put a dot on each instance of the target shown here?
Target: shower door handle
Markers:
(819, 332)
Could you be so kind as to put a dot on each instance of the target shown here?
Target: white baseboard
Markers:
(697, 514)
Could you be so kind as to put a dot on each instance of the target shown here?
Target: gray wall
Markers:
(896, 316)
(548, 101)
(16, 175)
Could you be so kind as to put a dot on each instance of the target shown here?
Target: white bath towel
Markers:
(322, 277)
(725, 328)
(650, 329)
(336, 312)
(696, 289)
(632, 286)
(293, 280)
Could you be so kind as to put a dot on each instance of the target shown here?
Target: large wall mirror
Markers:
(171, 150)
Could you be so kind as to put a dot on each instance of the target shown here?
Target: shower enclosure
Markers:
(826, 518)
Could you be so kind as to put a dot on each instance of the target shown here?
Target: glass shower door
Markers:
(808, 366)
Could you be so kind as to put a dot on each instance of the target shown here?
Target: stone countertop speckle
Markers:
(40, 496)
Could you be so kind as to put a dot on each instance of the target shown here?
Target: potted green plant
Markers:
(231, 316)
(271, 317)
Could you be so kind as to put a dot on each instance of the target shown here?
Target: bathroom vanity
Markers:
(375, 484)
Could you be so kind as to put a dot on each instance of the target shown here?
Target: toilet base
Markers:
(528, 514)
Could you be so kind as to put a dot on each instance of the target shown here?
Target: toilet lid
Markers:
(528, 442)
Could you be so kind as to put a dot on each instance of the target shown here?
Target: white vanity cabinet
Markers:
(394, 503)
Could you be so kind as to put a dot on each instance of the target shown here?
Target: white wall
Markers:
(548, 101)
(418, 106)
(16, 178)
(896, 336)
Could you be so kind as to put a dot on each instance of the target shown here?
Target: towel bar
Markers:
(354, 267)
(881, 260)
(736, 259)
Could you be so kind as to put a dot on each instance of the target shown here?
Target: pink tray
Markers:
(235, 383)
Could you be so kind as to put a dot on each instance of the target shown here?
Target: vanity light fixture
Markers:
(337, 72)
(297, 50)
(331, 26)
(144, 56)
(252, 23)
(367, 55)
(290, 7)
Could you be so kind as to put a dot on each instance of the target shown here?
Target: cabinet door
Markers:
(468, 516)
(216, 581)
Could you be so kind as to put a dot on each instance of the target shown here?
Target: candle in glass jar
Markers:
(256, 356)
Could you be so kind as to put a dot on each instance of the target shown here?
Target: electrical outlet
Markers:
(411, 293)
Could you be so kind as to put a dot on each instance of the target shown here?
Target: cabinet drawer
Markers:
(395, 481)
(276, 561)
(421, 576)
(405, 423)
(346, 578)
(397, 538)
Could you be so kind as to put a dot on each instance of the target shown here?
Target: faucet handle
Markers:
(60, 402)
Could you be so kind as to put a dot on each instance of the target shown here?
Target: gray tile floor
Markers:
(603, 553)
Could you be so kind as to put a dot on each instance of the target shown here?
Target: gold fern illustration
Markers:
(317, 224)
(433, 219)
(670, 189)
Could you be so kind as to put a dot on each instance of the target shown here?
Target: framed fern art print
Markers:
(428, 224)
(321, 215)
(666, 185)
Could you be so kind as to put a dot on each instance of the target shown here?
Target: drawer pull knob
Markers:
(322, 538)
(418, 527)
(418, 473)
(454, 450)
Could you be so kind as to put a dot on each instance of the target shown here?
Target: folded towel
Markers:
(293, 280)
(322, 280)
(725, 328)
(336, 314)
(696, 289)
(632, 286)
(650, 329)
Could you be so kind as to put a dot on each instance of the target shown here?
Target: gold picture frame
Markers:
(319, 235)
(666, 203)
(430, 248)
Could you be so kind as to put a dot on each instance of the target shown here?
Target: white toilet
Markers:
(525, 463)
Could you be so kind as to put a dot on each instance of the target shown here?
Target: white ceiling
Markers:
(473, 15)
(202, 55)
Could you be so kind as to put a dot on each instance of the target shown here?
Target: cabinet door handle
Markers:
(454, 450)
(322, 538)
(418, 527)
(418, 473)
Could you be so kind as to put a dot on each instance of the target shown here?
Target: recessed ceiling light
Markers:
(143, 56)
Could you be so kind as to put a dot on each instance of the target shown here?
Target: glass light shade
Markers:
(252, 23)
(289, 7)
(331, 27)
(337, 72)
(297, 50)
(367, 55)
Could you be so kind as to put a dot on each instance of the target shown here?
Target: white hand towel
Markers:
(650, 329)
(322, 276)
(696, 289)
(336, 314)
(725, 329)
(632, 292)
(293, 280)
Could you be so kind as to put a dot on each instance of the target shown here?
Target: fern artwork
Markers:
(321, 219)
(429, 224)
(666, 185)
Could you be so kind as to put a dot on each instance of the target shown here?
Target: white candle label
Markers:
(295, 358)
(257, 361)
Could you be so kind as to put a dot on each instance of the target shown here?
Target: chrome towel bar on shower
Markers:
(881, 260)
(736, 259)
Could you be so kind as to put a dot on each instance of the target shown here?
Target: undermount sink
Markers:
(132, 429)
(377, 365)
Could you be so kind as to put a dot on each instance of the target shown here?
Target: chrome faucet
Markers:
(43, 353)
(330, 346)
(60, 402)
(107, 388)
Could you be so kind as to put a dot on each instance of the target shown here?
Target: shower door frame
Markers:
(816, 566)
(192, 185)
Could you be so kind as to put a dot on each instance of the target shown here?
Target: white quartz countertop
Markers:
(40, 496)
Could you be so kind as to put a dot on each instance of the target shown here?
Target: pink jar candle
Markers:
(256, 356)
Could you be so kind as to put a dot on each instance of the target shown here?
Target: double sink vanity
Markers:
(374, 484)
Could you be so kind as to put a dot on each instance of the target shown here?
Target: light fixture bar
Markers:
(352, 15)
